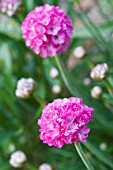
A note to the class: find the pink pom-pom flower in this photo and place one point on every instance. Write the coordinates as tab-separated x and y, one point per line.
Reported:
47	30
63	121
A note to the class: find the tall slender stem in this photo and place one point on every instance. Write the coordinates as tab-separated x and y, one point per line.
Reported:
63	74
83	156
39	100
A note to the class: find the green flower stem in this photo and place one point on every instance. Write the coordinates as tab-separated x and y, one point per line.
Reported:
29	167
63	74
89	63
39	100
108	86
83	156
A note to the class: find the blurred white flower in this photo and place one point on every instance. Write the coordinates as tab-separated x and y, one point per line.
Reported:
25	87
9	6
87	81
11	147
56	89
103	146
54	72
17	159
79	52
45	166
96	92
99	72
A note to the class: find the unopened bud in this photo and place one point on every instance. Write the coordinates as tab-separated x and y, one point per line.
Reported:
45	166
11	147
79	52
25	87
17	159
103	146
99	72
87	81
96	92
54	72
56	89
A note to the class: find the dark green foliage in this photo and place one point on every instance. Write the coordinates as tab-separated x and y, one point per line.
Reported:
18	118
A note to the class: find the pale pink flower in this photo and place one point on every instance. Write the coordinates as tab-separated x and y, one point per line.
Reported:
47	30
99	72
25	87
9	6
17	159
45	166
63	121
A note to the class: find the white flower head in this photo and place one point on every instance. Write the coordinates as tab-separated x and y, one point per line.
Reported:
25	87
54	72
96	92
87	81
103	146
99	72
45	166
17	159
56	89
9	6
79	52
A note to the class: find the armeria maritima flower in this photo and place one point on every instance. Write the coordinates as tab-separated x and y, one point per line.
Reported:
9	6
17	159
47	30
63	121
99	72
96	92
25	87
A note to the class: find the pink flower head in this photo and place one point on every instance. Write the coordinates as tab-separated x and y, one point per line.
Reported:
63	121
47	30
9	6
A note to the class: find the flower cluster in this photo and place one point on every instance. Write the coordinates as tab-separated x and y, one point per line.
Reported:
63	121
47	30
9	6
25	87
99	72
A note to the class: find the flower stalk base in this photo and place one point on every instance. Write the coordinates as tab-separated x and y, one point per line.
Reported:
83	156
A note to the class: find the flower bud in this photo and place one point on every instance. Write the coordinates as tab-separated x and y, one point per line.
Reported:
87	81
79	52
103	146
56	89
96	92
25	87
17	159
11	147
45	166
54	72
99	72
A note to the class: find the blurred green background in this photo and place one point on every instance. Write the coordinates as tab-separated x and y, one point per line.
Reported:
93	29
